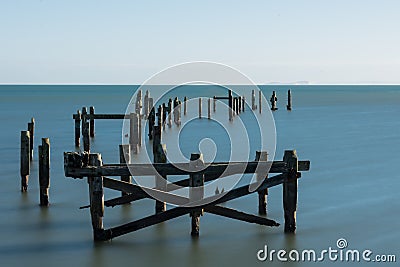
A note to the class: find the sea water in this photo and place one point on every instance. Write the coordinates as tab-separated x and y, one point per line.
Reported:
351	135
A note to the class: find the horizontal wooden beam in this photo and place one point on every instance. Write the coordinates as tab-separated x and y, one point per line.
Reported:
215	170
142	192
238	215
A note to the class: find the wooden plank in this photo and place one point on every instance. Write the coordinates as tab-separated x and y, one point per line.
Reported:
143	191
221	169
234	214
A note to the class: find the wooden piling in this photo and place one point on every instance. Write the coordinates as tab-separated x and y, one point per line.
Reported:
44	171
151	118
289	99
184	106
290	191
240	101
125	158
146	106
157	137
25	160
134	132
85	136
91	126
31	129
164	115
259	100
96	199
85	131
273	100
263	194
196	190
177	111
200	107
214	105
243	103
78	129
160	156
230	104
209	108
169	109
253	100
138	103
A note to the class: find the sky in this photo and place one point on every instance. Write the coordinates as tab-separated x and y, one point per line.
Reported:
128	41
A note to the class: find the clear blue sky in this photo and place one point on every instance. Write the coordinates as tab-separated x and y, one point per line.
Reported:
125	41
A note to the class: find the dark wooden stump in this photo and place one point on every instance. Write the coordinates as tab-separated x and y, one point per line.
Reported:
134	132
78	129
259	100
91	126
209	108
44	171
273	100
289	105
263	194
31	129
200	107
290	191
25	160
124	158
160	156
96	199
196	190
184	106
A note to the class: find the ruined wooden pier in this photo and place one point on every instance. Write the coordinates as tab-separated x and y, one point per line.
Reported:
91	166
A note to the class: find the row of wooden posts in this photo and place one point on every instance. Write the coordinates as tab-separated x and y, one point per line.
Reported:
26	157
166	113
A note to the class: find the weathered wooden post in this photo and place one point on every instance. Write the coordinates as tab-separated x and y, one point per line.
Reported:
290	191
169	109
184	106
24	160
177	111
200	107
78	129
151	104
214	105
259	100
151	118
85	131
124	158
164	115
146	106
160	156
289	100
196	190
44	171
273	100
262	195
253	100
243	103
91	127
157	135
209	108
138	103
160	114
230	104
31	129
96	199
240	104
134	132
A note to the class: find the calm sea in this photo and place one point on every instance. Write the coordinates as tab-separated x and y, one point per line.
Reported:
351	134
